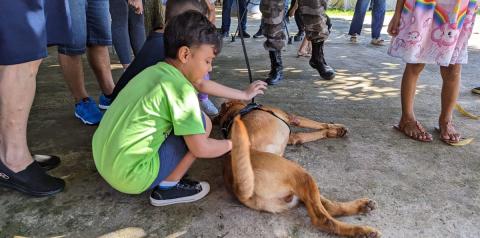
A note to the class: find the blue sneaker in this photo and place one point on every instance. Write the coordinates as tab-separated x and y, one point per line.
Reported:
87	111
104	102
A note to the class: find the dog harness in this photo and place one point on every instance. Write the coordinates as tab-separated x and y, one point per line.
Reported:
227	125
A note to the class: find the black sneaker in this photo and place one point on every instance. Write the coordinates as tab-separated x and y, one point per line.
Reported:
32	180
225	34
185	191
245	34
259	33
476	90
299	36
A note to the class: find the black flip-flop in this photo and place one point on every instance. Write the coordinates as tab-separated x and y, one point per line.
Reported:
47	162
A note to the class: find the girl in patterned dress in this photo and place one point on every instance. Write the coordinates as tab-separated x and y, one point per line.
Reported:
431	32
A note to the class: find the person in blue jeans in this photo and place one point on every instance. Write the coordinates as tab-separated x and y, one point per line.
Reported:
226	10
128	28
378	15
91	34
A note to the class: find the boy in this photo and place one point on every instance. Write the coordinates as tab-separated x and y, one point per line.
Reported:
153	51
154	130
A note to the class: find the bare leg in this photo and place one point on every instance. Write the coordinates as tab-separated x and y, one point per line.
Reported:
451	82
408	123
99	60
17	90
303	50
181	168
73	74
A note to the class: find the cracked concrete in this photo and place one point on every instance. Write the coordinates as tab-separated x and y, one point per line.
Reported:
422	190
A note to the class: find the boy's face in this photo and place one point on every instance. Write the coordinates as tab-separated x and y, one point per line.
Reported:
197	61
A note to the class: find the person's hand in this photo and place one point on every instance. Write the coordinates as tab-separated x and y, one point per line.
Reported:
137	6
254	89
211	11
394	25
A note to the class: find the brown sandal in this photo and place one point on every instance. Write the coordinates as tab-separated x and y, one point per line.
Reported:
418	128
446	140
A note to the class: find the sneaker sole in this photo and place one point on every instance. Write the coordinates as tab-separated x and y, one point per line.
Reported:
28	192
85	121
193	198
103	107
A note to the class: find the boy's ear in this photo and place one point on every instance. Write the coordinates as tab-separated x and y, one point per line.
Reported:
183	54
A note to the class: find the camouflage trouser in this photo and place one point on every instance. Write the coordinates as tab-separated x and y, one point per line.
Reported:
313	15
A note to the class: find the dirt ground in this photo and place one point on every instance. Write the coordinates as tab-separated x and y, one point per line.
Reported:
422	189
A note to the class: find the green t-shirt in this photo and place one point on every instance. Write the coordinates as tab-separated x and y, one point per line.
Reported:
125	145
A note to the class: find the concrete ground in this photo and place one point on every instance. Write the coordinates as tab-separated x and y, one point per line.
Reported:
422	189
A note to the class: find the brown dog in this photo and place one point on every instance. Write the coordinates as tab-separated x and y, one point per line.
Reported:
263	180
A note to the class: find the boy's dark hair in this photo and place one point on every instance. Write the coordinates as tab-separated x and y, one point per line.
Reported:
176	7
190	28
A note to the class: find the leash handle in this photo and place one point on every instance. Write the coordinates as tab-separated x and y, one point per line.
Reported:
240	31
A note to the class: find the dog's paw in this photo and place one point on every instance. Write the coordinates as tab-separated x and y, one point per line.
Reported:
367	205
368	232
342	131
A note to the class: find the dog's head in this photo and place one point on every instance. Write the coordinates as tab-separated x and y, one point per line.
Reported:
228	110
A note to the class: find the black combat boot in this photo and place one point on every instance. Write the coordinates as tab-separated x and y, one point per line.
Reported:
276	73
318	62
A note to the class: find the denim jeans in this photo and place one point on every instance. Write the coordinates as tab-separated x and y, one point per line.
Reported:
378	15
90	26
128	30
171	153
227	8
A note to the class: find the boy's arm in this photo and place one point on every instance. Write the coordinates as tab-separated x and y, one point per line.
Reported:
203	147
215	89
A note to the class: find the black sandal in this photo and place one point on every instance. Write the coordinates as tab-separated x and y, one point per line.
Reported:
32	180
47	162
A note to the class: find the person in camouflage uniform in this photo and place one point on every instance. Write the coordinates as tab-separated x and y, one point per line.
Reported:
317	31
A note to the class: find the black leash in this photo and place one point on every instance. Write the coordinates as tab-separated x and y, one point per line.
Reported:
243	44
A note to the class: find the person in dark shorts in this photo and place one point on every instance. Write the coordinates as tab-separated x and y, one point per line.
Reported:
26	28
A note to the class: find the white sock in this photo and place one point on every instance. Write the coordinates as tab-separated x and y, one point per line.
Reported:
167	184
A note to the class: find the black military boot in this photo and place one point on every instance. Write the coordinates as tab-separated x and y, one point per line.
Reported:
318	62
276	73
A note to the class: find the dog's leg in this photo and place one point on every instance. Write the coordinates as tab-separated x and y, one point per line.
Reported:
243	177
307	190
303	137
294	120
359	206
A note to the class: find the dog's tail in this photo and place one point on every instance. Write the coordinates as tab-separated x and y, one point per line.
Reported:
243	177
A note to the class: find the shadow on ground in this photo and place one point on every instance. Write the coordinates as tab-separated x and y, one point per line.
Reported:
423	189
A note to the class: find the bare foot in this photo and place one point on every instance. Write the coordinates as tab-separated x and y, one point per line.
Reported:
414	130
448	133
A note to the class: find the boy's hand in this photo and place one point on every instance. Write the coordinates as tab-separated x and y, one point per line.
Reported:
394	25
254	89
137	5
